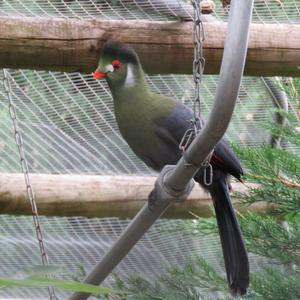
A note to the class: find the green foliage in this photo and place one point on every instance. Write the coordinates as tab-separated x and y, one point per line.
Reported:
264	235
43	276
37	271
290	131
58	283
197	280
277	172
273	283
267	237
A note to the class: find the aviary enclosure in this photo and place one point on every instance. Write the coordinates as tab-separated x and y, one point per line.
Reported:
87	182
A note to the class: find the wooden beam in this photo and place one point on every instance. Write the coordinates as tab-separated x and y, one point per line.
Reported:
164	47
97	196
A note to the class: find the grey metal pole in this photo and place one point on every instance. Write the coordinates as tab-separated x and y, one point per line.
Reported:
280	100
174	182
159	201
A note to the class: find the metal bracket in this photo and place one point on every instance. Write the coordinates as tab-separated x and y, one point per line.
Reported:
164	193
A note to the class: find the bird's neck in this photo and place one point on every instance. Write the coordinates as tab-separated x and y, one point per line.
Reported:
132	87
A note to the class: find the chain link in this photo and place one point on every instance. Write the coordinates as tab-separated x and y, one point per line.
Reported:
25	170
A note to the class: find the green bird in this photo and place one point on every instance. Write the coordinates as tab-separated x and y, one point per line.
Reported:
153	126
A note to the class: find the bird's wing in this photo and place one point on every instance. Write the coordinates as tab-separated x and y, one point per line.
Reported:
172	129
225	159
175	124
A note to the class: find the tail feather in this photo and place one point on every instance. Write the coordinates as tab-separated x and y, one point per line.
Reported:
234	250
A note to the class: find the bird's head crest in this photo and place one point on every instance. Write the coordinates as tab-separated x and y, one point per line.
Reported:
114	59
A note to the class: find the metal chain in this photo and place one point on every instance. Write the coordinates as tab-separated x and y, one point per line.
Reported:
25	170
198	68
199	60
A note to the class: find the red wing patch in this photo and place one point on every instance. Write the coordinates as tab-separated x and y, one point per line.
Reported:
215	158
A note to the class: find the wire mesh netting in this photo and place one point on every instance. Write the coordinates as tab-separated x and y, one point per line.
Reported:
78	243
68	127
68	122
265	11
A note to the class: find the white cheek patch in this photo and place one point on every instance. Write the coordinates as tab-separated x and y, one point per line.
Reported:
130	78
109	68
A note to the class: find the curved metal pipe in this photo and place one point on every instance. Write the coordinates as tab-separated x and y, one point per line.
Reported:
280	100
233	63
175	182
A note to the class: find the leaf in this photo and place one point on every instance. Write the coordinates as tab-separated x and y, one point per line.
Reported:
58	283
38	270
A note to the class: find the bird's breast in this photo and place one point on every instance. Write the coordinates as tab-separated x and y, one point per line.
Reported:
139	129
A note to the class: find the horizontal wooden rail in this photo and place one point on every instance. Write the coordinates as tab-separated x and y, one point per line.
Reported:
164	46
102	196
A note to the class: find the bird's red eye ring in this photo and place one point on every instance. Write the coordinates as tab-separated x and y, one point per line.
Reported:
116	64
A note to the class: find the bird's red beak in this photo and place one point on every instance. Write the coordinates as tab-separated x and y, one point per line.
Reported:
98	75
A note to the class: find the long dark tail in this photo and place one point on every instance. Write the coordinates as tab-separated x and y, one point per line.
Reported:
234	250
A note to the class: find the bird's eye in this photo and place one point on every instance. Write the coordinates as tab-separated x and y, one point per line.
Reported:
116	64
